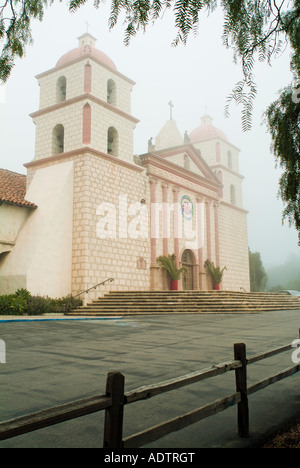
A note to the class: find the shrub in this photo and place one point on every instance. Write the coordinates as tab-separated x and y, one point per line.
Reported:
67	303
22	303
24	293
38	305
11	304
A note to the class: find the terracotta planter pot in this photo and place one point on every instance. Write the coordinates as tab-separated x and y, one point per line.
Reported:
174	285
216	287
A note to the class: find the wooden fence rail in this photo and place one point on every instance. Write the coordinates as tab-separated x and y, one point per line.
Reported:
115	398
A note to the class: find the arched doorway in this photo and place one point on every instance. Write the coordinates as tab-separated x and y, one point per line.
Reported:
187	277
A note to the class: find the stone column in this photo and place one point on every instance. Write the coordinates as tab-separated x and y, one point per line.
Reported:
165	219
201	236
208	228
154	269
217	241
176	221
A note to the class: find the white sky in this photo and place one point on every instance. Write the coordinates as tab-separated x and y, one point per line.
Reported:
197	78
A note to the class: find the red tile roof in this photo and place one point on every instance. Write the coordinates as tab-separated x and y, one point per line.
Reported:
13	189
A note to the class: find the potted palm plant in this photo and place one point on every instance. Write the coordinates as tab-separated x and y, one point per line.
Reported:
169	264
216	274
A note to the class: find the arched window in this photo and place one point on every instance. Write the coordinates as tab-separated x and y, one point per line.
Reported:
229	157
187	257
111	92
61	89
232	195
58	139
112	141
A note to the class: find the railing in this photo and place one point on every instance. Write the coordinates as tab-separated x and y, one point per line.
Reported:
94	287
114	400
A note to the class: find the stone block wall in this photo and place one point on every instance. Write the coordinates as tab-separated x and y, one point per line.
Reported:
234	248
110	228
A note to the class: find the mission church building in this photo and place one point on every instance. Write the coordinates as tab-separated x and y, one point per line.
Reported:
89	209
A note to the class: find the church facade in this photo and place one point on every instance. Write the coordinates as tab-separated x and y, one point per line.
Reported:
93	210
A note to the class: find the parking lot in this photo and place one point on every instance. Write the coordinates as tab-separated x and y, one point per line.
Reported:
51	362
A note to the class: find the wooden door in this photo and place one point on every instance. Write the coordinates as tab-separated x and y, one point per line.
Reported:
187	279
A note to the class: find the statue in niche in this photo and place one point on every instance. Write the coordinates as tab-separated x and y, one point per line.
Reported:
151	147
187	140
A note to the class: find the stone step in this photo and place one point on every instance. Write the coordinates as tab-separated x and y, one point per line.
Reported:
141	310
190	304
192	300
195	293
185	302
164	312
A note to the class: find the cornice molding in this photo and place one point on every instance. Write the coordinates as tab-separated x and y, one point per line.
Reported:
79	152
84	57
225	168
174	169
83	97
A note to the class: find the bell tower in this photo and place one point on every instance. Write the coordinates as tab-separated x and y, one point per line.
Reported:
84	102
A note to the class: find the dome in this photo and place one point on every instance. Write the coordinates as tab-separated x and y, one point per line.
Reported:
86	47
206	131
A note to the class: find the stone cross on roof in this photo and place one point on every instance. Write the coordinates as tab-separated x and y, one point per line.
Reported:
171	108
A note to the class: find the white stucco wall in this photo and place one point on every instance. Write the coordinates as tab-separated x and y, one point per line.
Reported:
12	218
41	260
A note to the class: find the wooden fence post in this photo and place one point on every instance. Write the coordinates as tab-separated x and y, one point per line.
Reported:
113	425
241	386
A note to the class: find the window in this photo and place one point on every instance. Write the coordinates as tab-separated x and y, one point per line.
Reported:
187	257
112	141
232	195
61	89
111	92
58	139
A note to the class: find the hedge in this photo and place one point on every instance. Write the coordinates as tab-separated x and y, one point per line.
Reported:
23	303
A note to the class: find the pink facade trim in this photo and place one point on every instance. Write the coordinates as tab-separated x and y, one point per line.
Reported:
200	231
226	168
176	224
84	97
79	59
87	78
153	220
159	160
180	172
217	240
220	177
80	152
86	124
165	219
208	228
182	186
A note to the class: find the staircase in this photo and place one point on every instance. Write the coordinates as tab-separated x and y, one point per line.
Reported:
185	302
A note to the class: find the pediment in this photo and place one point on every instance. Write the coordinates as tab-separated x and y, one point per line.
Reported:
186	159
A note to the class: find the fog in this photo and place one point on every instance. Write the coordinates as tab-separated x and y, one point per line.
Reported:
197	77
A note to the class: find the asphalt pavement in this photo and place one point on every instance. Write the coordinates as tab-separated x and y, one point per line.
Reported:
54	360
